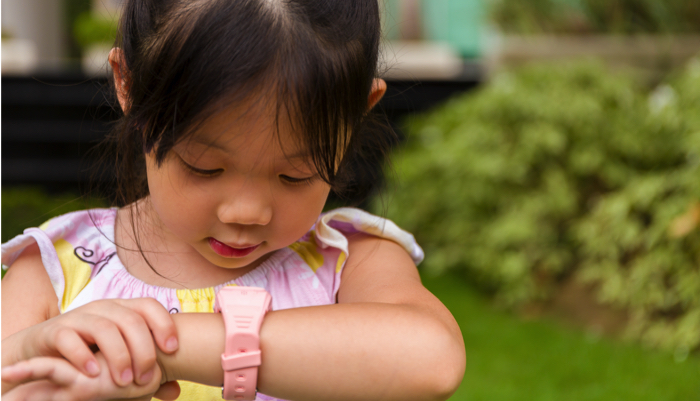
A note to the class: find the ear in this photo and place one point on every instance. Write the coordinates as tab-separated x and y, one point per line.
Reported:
121	77
376	93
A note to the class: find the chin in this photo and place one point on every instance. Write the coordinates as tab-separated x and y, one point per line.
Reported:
230	263
235	263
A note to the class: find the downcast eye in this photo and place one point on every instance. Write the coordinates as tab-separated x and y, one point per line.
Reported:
293	180
198	171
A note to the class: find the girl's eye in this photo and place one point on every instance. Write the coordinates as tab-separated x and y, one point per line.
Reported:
296	181
200	172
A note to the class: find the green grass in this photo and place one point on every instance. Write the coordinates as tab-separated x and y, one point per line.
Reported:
509	359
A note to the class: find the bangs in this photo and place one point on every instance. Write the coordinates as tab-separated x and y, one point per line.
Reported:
313	62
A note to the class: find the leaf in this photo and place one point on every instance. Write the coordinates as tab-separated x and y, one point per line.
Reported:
685	223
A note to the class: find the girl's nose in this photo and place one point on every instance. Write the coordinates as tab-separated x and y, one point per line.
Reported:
245	208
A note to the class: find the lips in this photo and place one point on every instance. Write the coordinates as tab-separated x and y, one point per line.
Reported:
230	252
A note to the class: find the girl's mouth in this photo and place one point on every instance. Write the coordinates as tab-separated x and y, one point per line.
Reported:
228	251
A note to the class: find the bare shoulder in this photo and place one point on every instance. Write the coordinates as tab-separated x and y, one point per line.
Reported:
381	271
378	270
28	296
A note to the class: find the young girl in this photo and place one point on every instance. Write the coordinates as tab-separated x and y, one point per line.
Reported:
240	116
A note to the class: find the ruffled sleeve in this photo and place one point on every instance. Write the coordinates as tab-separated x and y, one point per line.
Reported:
334	226
69	245
14	247
324	251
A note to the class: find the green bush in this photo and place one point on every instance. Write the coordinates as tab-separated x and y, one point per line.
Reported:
24	207
597	16
89	29
556	170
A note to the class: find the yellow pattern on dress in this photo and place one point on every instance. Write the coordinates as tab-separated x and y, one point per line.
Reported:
199	300
308	252
341	261
197	392
76	273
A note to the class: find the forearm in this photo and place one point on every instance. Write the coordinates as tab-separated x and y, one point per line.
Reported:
340	352
12	349
12	353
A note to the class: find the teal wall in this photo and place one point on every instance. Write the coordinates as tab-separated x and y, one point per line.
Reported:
458	22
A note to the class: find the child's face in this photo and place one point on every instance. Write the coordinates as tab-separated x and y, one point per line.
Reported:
235	191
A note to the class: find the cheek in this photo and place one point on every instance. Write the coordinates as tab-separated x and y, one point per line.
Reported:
302	212
172	200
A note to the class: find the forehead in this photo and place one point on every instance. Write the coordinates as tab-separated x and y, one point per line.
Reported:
249	126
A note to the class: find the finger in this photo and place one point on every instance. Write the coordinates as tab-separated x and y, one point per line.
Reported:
91	329
45	390
34	391
109	339
169	391
61	339
140	343
15	374
55	370
159	321
71	346
123	337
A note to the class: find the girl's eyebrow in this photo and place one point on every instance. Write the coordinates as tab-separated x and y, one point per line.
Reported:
211	144
302	154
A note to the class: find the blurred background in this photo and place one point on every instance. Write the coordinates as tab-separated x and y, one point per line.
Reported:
548	162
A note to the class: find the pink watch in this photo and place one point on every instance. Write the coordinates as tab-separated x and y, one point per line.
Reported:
243	309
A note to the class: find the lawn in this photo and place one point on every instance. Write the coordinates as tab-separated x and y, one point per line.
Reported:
509	359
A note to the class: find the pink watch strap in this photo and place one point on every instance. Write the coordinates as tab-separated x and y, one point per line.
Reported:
243	309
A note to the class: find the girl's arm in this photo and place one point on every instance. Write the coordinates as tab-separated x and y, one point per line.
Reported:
388	338
32	326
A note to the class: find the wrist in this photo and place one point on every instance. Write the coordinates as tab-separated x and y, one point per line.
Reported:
198	358
165	375
168	363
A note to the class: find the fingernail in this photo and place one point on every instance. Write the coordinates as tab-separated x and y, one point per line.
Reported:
171	344
127	376
146	377
92	368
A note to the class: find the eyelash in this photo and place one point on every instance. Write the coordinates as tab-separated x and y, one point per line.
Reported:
211	173
199	172
297	181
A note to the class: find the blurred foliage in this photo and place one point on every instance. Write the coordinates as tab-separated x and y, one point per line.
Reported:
596	16
90	29
72	9
24	207
554	170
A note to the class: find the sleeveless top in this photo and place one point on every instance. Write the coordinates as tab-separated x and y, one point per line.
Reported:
80	257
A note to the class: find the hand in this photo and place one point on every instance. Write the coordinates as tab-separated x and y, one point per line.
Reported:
49	379
123	330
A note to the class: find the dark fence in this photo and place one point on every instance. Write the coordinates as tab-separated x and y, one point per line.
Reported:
50	123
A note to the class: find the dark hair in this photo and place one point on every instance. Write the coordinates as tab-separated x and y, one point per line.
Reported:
185	59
